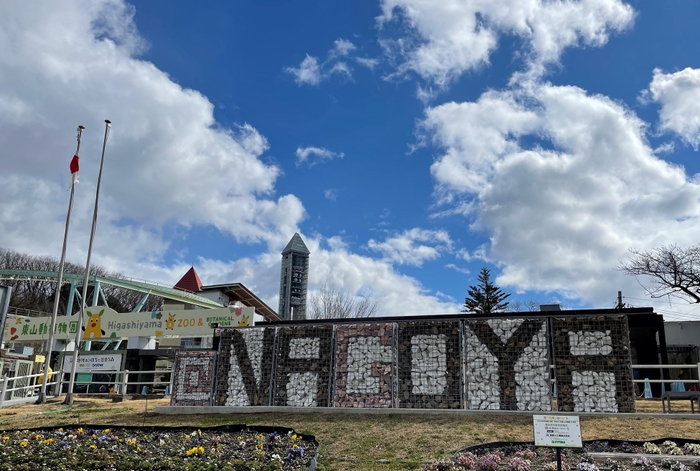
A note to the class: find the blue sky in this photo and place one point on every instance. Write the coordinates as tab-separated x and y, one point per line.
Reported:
411	142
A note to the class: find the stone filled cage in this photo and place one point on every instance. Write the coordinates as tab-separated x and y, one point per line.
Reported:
462	362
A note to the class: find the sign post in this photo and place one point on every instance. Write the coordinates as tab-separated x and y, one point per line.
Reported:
557	431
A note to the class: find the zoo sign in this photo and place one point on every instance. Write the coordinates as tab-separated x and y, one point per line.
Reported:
105	323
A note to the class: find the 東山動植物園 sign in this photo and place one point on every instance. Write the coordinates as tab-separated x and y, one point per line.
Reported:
102	322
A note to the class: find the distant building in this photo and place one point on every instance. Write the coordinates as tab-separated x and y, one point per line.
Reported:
294	279
227	294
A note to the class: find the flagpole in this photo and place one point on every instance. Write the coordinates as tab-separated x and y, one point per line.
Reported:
57	297
78	334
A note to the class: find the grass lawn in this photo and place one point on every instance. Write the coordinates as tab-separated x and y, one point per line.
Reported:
358	442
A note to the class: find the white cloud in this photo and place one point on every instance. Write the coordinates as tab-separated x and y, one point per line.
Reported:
371	64
396	294
665	148
313	72
308	72
342	47
313	155
454	267
341	68
331	194
450	37
168	162
562	211
679	96
402	248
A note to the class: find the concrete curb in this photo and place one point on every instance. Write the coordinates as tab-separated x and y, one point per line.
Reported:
194	410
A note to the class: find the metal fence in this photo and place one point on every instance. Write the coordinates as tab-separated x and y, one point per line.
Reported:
17	387
661	369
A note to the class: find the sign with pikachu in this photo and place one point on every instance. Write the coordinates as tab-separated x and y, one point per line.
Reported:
104	323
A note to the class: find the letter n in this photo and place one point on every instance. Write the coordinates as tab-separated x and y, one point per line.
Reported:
245	366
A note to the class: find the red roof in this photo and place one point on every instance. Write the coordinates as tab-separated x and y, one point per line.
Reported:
190	282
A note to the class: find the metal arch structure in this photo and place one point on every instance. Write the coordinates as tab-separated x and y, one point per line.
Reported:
97	281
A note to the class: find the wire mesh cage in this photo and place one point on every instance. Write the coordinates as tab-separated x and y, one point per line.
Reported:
507	364
244	370
364	365
303	366
193	378
592	364
429	359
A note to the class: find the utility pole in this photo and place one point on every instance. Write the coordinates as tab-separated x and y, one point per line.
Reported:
619	304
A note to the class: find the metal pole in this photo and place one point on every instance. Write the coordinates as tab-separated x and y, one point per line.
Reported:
57	297
74	367
558	459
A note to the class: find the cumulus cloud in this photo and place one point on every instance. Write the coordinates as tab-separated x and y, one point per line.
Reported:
167	162
679	96
563	209
169	165
403	249
313	155
447	38
332	262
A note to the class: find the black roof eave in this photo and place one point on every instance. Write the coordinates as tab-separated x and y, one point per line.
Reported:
445	317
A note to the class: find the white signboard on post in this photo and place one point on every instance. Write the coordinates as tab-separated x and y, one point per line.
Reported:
559	431
93	363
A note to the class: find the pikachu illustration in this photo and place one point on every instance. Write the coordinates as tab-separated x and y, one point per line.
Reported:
93	329
170	323
244	321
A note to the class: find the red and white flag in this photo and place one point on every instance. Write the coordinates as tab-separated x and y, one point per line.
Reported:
74	167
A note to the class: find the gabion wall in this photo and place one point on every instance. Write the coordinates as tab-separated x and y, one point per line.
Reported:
194	378
479	364
507	365
244	371
364	365
429	365
303	366
592	361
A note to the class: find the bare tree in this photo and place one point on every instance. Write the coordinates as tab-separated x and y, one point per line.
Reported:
331	302
671	270
524	306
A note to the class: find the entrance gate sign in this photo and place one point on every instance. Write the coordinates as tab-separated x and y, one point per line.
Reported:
104	323
559	431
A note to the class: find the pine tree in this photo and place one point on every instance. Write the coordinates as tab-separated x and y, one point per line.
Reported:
485	298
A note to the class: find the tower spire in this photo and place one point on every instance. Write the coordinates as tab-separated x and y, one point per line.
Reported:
294	277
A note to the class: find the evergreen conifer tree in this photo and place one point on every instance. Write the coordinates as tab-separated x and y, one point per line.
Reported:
485	298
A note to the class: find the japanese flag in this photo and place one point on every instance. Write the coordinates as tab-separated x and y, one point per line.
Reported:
74	167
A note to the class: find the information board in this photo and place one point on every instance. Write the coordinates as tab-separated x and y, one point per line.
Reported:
91	363
559	431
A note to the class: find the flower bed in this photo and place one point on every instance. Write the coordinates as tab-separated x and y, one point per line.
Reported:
598	455
229	448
